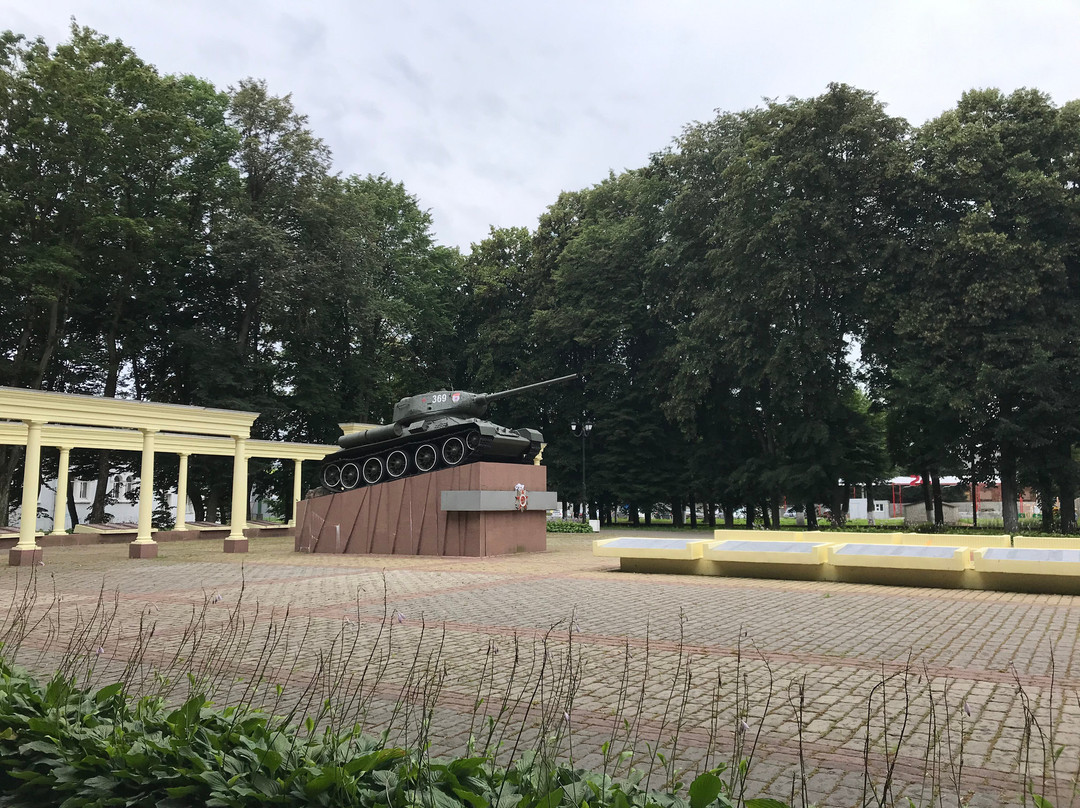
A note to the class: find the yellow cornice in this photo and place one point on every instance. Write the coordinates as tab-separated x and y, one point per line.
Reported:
18	404
82	437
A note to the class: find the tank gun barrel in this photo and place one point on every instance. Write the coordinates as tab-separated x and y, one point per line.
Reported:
488	397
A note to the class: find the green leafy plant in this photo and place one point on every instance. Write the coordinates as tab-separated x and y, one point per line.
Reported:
62	744
566	526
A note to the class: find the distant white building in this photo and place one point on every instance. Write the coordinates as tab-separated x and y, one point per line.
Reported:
123	507
124	502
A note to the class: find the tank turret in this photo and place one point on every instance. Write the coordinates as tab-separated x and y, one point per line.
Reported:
430	431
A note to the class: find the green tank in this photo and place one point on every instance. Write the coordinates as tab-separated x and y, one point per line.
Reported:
431	431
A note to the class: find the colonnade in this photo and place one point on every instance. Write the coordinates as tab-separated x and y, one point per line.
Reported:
34	418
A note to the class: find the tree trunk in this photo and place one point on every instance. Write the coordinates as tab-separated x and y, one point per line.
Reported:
766	522
870	505
10	460
97	510
710	519
811	516
693	513
1067	495
974	504
213	505
729	516
632	515
775	504
648	515
49	347
939	508
1008	489
101	492
751	513
928	502
73	511
838	505
676	512
1046	501
198	505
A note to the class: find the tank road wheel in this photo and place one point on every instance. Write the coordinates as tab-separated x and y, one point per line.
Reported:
425	457
396	463
372	470
331	477
453	450
472	440
350	476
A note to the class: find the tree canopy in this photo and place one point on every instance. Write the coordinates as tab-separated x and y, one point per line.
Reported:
787	300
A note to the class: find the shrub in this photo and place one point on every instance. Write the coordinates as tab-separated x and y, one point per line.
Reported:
65	745
566	526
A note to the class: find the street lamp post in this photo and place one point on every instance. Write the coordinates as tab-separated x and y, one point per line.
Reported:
581	427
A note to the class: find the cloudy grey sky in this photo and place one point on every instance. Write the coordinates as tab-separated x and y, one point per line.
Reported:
487	110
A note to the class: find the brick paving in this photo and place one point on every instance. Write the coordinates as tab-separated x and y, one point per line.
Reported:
834	690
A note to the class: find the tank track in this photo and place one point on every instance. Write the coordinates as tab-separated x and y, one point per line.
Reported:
420	454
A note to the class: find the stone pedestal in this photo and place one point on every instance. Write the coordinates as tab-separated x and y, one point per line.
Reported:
407	517
236	545
24	556
139	549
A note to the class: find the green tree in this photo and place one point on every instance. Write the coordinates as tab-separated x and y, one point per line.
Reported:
599	319
96	152
989	308
791	210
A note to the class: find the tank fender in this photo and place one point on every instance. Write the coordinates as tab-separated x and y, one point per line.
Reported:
373	435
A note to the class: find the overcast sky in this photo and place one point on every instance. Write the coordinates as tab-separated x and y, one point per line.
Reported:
487	110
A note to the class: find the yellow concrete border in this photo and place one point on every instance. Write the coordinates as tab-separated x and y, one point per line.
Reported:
680	549
955	540
1018	566
867	538
734	534
667	566
1047	542
728	534
959	559
817	555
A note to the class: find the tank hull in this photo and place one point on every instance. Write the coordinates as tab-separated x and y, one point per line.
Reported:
423	447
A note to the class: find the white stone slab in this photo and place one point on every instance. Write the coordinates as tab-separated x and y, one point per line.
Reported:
733	546
1032	554
902	550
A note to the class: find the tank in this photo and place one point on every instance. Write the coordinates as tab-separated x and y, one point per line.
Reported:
431	431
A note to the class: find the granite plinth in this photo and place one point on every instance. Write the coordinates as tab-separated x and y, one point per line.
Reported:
405	517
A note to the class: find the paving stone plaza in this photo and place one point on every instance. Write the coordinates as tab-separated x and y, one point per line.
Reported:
838	692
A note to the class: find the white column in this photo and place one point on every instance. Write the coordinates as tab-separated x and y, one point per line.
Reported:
239	489
60	509
298	467
146	489
31	476
181	494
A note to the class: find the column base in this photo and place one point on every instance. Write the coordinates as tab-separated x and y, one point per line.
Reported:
147	549
25	556
236	545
